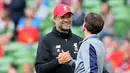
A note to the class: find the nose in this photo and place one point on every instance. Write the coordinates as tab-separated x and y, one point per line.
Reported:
66	19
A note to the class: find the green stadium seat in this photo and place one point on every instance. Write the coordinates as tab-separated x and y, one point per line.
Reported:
35	46
121	13
30	3
91	3
47	30
4	64
121	28
13	47
77	31
115	3
96	9
52	4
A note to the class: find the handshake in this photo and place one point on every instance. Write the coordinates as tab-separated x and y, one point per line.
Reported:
64	57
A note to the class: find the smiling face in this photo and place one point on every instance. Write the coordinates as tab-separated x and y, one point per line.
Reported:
63	23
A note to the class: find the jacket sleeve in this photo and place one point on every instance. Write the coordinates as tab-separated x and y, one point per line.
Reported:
44	63
89	58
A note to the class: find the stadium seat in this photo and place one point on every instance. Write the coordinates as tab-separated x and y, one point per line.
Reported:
4	64
30	3
121	28
115	3
91	3
77	31
96	9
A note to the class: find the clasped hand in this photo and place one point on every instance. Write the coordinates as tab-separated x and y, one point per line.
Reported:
64	57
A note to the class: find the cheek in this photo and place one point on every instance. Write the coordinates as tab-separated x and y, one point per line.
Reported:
70	21
58	22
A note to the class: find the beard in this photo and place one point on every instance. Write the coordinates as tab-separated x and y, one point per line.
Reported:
64	28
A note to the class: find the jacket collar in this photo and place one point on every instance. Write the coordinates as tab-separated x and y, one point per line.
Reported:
61	34
90	36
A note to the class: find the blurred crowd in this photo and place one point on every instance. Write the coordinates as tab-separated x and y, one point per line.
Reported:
22	22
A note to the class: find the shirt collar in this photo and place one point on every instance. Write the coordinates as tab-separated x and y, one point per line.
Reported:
90	36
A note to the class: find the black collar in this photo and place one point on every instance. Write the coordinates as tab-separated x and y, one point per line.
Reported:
61	34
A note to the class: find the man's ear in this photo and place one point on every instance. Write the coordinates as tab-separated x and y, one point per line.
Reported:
54	19
84	27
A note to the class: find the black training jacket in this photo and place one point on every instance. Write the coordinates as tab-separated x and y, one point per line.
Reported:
50	46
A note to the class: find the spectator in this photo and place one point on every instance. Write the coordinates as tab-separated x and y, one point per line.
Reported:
127	2
107	41
28	68
1	5
79	14
67	2
6	27
29	20
28	28
107	44
1	51
108	18
117	56
42	9
126	44
13	68
125	67
17	11
28	35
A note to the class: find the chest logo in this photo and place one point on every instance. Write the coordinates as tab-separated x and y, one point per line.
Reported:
58	48
65	8
75	47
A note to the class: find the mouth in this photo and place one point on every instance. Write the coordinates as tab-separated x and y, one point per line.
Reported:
67	24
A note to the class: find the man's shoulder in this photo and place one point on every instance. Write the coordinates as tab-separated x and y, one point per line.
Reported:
76	36
47	36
